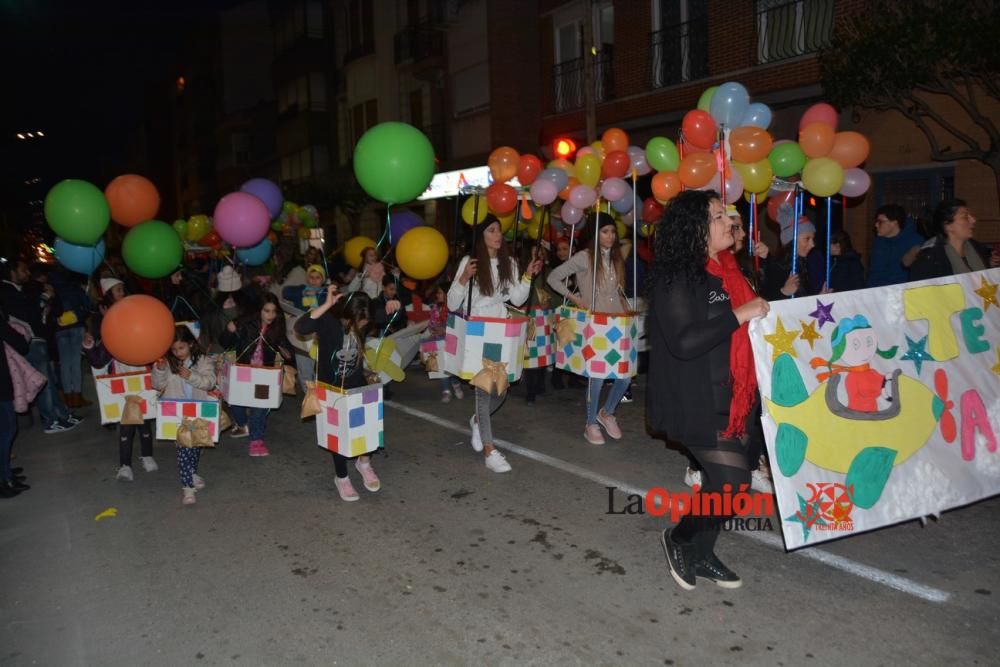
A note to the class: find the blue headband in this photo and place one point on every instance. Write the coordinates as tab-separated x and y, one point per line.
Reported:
848	325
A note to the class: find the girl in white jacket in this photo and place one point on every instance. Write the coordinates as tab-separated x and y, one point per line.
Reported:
186	374
495	282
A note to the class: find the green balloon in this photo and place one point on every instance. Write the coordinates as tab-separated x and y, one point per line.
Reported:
786	159
705	101
77	211
662	154
181	227
394	162
152	249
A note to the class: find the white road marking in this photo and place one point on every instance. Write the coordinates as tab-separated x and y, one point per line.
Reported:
841	563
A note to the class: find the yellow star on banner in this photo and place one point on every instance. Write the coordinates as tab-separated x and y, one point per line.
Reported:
782	341
988	292
996	369
809	333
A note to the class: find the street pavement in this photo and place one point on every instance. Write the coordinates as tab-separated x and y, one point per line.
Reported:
451	564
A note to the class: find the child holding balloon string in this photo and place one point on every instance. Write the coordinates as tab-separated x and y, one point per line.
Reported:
185	374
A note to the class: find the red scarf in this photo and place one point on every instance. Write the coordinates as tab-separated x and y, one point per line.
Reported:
741	367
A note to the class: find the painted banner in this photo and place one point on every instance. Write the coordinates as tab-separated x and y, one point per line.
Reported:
539	345
170	412
596	345
468	341
251	386
881	405
351	420
112	390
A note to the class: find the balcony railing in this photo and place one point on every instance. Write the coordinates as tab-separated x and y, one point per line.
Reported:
679	53
568	78
786	29
418	42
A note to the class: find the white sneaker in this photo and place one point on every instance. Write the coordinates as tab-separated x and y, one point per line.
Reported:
446	397
477	441
692	477
497	462
760	481
125	473
457	388
149	464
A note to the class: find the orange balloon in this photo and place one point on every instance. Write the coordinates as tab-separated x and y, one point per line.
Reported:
850	149
750	144
697	169
132	199
614	139
816	139
570	184
503	164
138	330
666	185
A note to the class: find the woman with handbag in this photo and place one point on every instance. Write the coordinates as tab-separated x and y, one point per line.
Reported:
185	374
260	339
340	363
702	387
486	281
602	294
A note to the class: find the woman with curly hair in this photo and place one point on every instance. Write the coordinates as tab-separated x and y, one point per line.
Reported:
702	386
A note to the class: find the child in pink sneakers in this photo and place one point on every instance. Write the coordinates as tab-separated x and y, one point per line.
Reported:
437	324
340	362
186	374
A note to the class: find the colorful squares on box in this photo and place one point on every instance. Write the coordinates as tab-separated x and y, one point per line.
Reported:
251	386
112	391
171	412
353	420
604	348
469	341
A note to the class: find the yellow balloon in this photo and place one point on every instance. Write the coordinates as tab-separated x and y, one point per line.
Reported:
198	226
422	253
588	170
469	210
622	229
598	147
565	165
761	196
506	222
646	229
756	175
354	247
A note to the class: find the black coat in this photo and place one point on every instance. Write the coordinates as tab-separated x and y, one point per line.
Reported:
242	342
690	325
846	272
335	366
932	261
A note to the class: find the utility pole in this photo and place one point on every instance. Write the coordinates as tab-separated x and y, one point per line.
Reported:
589	56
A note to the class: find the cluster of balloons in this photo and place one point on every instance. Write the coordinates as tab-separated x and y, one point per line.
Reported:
834	158
295	219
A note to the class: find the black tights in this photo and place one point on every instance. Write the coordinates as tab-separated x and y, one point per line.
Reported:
534	382
126	434
724	462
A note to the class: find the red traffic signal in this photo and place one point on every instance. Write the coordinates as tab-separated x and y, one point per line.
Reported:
563	147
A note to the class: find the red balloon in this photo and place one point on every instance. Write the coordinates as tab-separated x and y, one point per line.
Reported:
652	211
776	200
528	169
501	198
699	128
211	240
819	113
616	164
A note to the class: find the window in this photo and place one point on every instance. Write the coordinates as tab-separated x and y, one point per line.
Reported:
363	116
294	95
360	29
569	42
291	26
568	74
471	89
789	28
917	190
679	46
314	19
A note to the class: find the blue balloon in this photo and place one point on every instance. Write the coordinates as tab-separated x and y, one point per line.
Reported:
401	222
624	205
758	114
266	191
80	258
255	255
557	176
729	104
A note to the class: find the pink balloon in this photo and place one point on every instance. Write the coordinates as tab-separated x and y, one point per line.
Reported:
241	219
613	189
628	219
544	191
822	113
734	184
639	163
582	196
570	214
856	182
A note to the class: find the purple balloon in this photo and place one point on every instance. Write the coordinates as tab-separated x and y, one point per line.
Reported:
241	219
401	222
570	214
856	182
637	156
543	191
613	189
557	176
628	218
624	203
582	196
266	191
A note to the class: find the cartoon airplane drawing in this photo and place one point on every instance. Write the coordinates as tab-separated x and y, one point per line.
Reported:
864	446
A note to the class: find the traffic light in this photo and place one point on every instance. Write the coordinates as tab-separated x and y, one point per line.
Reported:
564	147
